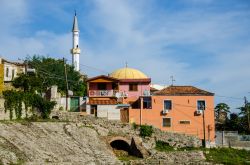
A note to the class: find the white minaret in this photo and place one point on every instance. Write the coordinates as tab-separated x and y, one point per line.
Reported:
75	51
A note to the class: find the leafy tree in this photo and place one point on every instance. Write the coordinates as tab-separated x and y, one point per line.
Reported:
221	111
221	107
29	83
51	71
245	112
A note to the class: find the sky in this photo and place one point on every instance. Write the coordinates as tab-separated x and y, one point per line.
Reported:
204	43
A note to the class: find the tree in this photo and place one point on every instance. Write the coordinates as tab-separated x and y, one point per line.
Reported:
50	72
245	112
219	109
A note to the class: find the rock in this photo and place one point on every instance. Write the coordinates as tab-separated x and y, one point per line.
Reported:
52	143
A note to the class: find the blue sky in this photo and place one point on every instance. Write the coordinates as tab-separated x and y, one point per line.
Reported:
205	43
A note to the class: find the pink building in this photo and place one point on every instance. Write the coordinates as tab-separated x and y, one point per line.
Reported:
110	96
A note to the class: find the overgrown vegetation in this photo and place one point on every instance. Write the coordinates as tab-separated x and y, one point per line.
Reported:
33	102
146	130
228	156
30	88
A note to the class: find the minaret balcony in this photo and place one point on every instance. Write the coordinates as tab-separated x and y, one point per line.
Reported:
75	51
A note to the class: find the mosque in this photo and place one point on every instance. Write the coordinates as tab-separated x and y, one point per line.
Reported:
126	94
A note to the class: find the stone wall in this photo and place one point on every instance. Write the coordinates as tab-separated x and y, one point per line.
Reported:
115	128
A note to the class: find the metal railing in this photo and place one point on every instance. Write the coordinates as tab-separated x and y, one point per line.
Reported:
102	93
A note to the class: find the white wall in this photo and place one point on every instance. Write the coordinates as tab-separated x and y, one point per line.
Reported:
11	67
108	111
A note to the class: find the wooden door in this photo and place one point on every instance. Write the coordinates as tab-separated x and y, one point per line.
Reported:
124	115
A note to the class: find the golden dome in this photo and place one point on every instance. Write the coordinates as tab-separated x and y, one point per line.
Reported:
128	73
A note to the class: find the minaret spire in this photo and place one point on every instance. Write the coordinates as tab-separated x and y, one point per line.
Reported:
75	51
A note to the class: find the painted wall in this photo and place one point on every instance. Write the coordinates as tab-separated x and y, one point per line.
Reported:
183	108
124	87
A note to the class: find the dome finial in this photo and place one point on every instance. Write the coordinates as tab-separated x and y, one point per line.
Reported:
126	64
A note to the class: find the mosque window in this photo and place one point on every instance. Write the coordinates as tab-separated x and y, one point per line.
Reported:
133	87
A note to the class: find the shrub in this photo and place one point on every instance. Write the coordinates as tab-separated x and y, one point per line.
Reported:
146	130
163	146
134	125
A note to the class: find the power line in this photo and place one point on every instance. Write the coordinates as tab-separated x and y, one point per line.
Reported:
236	98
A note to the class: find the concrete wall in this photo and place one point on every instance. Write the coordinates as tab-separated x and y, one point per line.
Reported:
108	111
231	139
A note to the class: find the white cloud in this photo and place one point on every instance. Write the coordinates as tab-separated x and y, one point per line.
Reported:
135	32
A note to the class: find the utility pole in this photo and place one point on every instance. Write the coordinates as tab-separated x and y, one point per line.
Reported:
66	81
204	127
247	111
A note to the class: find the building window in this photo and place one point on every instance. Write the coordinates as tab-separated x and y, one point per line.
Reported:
147	103
114	86
13	73
168	104
201	105
101	86
7	72
133	87
166	122
184	122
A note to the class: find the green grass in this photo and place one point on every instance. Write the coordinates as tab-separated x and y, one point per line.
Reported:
228	156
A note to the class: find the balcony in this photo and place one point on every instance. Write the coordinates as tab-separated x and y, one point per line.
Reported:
102	93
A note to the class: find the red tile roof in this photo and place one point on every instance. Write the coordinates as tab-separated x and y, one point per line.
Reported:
182	90
102	102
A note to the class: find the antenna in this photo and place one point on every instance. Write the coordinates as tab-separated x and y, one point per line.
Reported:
75	12
172	80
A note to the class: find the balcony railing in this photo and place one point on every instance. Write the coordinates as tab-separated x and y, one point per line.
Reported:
102	93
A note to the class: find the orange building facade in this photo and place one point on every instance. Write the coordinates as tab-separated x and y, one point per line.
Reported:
178	109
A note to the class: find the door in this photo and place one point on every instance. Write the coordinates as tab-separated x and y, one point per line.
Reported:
93	110
74	104
124	115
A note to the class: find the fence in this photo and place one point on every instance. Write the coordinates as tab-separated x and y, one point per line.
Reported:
232	139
